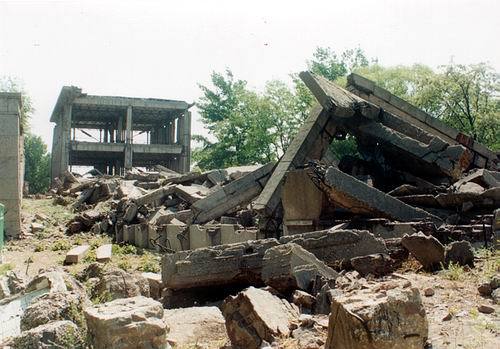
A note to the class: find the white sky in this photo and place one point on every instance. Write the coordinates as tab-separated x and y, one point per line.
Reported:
163	49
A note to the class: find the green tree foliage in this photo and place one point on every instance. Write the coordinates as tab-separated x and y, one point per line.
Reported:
10	84
37	164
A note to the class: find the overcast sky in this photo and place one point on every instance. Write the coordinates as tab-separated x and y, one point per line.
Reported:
163	49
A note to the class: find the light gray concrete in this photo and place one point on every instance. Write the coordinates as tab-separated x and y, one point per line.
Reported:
11	168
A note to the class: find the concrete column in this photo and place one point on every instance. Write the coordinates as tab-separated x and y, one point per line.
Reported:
65	138
11	172
128	139
119	131
185	141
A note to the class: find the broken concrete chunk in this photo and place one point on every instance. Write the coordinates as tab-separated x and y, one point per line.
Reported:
357	197
155	284
115	283
215	266
254	316
426	249
195	325
135	322
76	254
288	267
393	318
56	334
103	253
335	247
379	264
459	252
232	195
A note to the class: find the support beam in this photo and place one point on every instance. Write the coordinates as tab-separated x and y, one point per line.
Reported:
128	139
65	138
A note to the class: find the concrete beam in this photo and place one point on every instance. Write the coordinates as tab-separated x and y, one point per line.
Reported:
128	139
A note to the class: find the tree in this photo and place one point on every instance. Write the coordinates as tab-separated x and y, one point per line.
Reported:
37	160
10	84
37	164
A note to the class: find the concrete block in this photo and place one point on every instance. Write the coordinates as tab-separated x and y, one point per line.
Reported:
76	254
103	253
230	235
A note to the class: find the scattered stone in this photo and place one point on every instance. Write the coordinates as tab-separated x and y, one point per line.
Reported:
135	322
194	325
426	249
459	252
289	267
448	317
365	319
116	283
254	316
429	292
36	227
103	253
303	299
155	284
379	264
485	289
57	334
76	254
496	296
54	306
486	309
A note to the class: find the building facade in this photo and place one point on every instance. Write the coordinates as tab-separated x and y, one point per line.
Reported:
109	125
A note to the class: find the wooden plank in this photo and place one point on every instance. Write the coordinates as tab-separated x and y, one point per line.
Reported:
103	253
76	254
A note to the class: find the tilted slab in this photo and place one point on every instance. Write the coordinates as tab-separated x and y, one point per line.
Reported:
357	197
399	139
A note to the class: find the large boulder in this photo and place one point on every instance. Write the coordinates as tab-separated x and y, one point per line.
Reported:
426	249
52	307
389	315
199	325
379	264
255	315
289	267
459	252
56	334
127	323
116	283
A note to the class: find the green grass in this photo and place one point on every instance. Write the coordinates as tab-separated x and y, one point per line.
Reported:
454	272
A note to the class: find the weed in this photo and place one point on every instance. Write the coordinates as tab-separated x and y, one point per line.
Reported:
102	298
124	264
40	247
454	272
149	263
61	245
90	257
119	250
4	268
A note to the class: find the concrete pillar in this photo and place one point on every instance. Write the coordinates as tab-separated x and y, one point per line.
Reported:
128	139
65	138
11	172
185	141
119	131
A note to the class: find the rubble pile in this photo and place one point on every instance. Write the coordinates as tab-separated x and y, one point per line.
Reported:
279	248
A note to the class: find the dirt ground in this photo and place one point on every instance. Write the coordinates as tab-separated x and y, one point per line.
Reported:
454	319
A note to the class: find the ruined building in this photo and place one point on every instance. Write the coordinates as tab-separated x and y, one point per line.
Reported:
110	124
11	161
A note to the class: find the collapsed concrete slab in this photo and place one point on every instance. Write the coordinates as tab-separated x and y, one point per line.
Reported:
289	267
397	139
232	195
231	264
335	247
311	142
390	317
255	315
368	90
357	197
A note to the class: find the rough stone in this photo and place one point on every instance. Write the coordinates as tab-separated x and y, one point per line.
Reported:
426	249
486	309
116	283
57	334
390	317
495	295
459	252
379	264
155	284
194	325
127	323
335	247
54	306
254	316
288	267
303	299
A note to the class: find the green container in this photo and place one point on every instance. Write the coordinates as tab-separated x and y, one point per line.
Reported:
2	207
